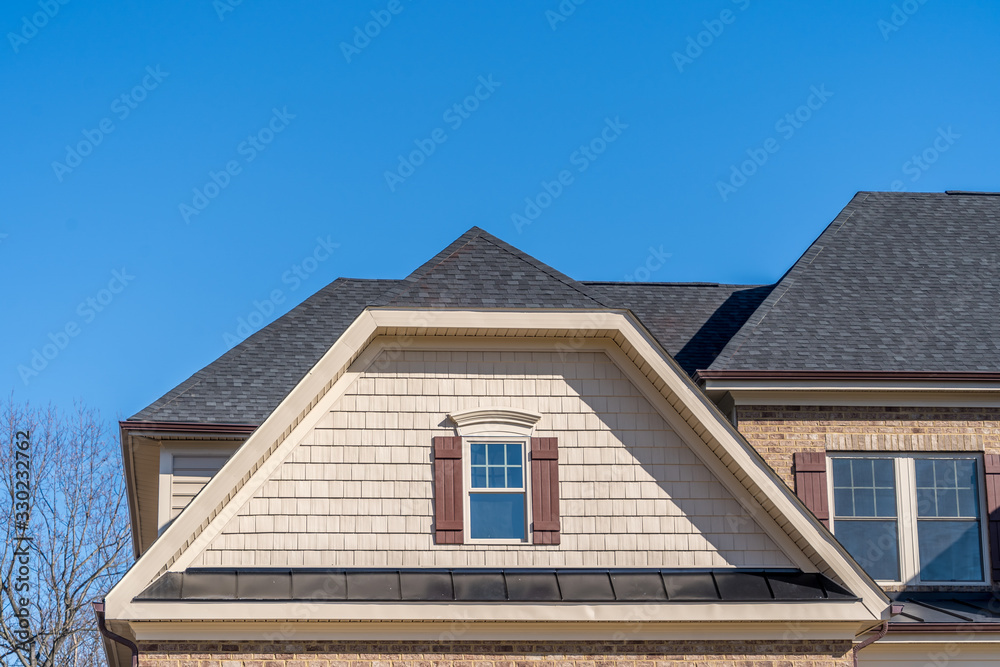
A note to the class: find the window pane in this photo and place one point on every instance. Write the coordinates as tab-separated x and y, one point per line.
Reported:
947	502
479	477
495	455
864	502
513	455
514	478
478	454
843	502
496	478
885	502
863	470
496	515
874	544
950	551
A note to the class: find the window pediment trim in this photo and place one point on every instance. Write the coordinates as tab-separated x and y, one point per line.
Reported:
495	420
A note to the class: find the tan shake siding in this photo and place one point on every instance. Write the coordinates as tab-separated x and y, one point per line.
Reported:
710	653
777	432
358	491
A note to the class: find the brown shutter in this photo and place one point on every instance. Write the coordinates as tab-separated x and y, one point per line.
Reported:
545	490
448	492
992	473
810	483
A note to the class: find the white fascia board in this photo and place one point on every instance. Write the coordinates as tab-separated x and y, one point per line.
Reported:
877	397
486	631
847	611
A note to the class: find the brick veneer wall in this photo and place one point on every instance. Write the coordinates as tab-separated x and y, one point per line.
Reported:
499	654
777	432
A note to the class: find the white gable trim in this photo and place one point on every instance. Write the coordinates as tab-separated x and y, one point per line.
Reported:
735	461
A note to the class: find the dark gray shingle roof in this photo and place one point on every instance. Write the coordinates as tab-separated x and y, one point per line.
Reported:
898	282
479	270
692	321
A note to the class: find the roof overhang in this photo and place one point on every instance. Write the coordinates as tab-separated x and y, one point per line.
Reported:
720	446
138	435
896	388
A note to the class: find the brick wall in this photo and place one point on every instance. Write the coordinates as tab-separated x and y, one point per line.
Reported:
503	654
779	431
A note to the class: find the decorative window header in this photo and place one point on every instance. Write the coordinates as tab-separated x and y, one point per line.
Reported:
494	421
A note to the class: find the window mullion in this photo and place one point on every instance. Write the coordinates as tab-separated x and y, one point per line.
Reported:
907	517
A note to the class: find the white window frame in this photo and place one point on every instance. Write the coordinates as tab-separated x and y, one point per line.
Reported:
468	490
906	511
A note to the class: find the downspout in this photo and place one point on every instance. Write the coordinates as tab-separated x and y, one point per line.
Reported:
118	639
882	629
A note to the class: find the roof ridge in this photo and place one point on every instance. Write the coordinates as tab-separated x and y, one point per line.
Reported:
414	276
667	283
542	266
787	281
428	267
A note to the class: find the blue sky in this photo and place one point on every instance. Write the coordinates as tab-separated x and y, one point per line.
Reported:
167	165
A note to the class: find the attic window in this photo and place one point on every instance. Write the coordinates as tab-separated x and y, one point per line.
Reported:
497	503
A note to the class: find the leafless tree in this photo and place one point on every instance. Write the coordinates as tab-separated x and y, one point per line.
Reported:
73	511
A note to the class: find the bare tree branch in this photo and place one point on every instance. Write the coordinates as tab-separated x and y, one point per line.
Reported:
78	526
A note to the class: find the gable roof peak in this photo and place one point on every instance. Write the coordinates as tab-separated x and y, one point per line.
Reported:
479	270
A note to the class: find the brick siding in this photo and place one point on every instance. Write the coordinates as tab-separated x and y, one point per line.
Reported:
777	432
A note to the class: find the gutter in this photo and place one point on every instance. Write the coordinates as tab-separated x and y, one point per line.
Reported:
923	627
187	427
972	376
882	629
118	639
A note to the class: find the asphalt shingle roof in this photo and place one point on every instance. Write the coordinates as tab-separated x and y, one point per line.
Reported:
479	270
898	282
692	321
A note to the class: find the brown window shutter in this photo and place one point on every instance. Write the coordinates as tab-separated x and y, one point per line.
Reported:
545	490
991	468
810	483
449	500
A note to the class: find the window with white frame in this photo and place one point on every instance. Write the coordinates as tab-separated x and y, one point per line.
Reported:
911	518
497	491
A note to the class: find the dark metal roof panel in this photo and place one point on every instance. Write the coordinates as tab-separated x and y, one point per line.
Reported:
493	585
